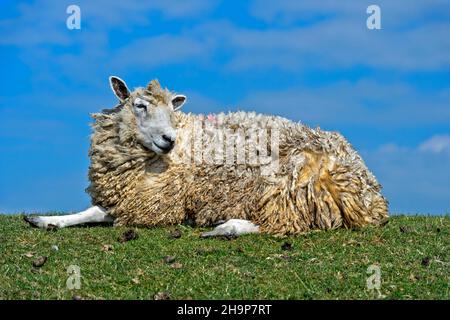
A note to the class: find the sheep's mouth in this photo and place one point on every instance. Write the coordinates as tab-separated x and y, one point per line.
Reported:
162	149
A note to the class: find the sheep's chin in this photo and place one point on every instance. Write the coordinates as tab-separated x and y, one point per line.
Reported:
154	147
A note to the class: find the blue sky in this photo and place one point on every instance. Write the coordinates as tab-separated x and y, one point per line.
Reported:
387	91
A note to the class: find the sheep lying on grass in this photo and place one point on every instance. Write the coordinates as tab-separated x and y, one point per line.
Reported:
154	165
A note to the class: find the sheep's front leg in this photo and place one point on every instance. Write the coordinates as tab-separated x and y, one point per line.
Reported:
93	214
233	227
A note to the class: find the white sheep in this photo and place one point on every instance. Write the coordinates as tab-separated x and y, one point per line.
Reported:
152	164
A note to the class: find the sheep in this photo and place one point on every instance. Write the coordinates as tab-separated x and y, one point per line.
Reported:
152	165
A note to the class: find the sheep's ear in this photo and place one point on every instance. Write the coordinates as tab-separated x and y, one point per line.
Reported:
178	101
119	88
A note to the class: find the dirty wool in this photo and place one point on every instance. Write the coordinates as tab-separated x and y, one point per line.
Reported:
320	181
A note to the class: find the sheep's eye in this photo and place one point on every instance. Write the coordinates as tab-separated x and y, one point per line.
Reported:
141	106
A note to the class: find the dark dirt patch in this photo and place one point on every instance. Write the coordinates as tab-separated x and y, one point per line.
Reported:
163	295
176	234
169	259
426	261
128	236
405	229
40	261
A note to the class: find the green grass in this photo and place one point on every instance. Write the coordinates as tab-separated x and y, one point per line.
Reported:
412	252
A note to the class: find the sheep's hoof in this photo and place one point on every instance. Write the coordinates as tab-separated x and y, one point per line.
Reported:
231	229
218	233
32	221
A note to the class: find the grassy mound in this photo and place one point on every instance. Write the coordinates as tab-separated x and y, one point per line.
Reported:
411	251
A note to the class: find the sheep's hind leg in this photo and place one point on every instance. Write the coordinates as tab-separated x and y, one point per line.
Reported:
91	215
231	228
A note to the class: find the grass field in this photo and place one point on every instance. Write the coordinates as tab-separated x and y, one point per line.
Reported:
411	251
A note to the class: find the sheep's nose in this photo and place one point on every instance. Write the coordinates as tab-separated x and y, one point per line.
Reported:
168	139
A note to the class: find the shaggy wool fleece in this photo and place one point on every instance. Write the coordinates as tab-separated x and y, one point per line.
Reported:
320	181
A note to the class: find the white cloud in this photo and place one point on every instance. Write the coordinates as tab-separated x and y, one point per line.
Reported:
340	41
436	144
413	181
338	44
156	51
395	13
391	148
52	51
44	21
364	102
334	34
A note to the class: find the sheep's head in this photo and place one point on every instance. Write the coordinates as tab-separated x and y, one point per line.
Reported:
153	110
